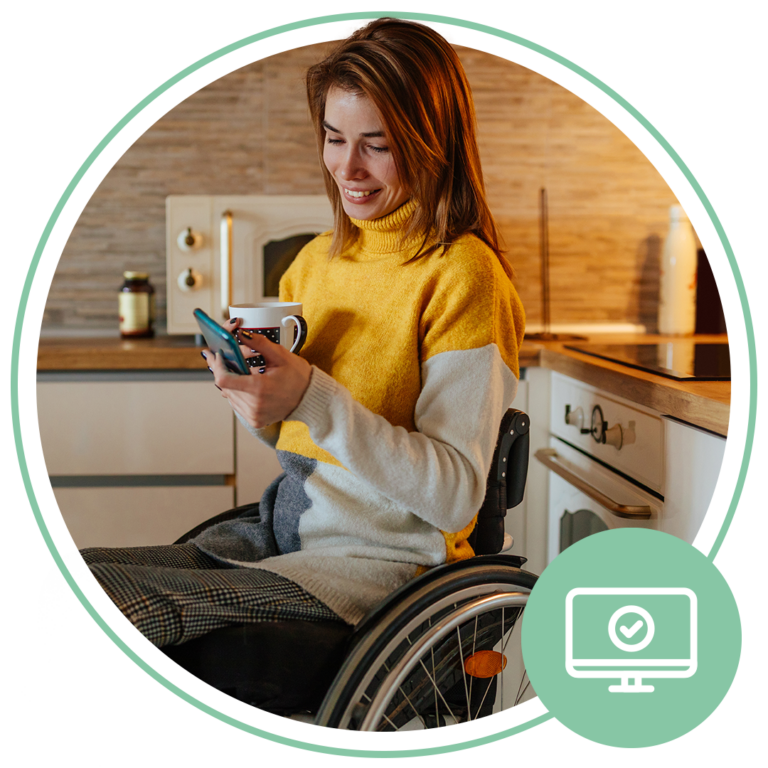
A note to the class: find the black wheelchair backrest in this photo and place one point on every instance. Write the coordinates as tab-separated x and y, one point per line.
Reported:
506	483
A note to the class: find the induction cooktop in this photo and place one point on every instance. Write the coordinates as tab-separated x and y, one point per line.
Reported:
683	360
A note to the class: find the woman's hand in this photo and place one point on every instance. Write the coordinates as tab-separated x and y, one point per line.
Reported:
269	394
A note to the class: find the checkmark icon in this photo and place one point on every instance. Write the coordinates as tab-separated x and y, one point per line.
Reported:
628	633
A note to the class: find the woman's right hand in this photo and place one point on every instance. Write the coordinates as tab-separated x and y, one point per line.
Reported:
270	393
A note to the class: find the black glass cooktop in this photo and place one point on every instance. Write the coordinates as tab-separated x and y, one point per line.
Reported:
681	360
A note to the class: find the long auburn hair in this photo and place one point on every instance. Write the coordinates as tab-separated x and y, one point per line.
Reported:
416	81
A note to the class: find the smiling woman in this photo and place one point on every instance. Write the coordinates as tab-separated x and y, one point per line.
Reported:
356	154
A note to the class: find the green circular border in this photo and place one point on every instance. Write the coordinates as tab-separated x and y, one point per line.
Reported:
111	135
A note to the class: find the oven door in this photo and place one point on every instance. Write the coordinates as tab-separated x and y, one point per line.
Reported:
586	497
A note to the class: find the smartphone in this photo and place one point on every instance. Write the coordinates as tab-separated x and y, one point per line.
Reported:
222	342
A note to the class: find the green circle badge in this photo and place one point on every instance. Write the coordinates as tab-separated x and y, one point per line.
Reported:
631	637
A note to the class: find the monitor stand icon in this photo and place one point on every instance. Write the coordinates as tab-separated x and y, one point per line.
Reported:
623	646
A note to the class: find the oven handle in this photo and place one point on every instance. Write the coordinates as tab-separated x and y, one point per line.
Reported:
549	456
226	263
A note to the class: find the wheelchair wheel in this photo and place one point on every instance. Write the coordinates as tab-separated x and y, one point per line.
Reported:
447	653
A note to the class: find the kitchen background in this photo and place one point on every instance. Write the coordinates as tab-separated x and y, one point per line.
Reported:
249	133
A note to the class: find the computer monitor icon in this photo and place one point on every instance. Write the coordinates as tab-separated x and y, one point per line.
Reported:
630	633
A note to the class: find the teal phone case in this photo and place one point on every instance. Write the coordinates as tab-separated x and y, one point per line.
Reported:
222	342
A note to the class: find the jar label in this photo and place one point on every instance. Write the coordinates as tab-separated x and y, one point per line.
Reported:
134	312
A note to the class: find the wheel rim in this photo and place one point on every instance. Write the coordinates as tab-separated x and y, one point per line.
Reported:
435	672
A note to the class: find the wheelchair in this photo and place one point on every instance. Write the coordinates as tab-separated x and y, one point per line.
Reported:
442	649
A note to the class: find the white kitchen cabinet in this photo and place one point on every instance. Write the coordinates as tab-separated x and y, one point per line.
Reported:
693	458
136	458
537	498
138	516
257	465
134	424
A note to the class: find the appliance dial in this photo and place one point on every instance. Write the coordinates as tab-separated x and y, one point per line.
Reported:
189	240
575	417
599	425
614	436
189	280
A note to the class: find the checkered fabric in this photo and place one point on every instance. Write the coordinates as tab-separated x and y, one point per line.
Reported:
175	593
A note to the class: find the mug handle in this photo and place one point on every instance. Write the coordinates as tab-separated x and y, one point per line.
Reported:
301	327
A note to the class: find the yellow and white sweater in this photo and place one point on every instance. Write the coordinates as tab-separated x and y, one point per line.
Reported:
386	457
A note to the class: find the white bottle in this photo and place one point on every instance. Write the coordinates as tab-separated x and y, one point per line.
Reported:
677	294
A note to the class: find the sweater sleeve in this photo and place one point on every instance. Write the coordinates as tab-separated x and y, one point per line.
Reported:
267	435
438	472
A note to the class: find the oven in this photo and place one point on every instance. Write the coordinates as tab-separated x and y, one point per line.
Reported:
233	249
605	462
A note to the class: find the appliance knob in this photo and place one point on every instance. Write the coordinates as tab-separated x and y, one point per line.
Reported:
598	426
618	436
614	436
575	418
189	280
188	240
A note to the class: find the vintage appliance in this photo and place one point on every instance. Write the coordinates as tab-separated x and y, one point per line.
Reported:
233	249
613	463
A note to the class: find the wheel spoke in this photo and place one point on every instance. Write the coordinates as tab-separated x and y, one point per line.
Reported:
503	648
439	692
463	672
482	701
472	679
520	693
437	708
416	712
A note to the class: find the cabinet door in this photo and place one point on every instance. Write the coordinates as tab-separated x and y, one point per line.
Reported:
257	465
137	517
537	486
136	458
693	461
122	425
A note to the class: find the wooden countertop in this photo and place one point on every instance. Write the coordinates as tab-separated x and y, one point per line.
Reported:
162	353
702	403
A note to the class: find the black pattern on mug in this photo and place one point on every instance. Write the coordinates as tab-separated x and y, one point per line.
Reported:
273	334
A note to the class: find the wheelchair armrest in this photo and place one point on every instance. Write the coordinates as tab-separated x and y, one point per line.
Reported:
515	446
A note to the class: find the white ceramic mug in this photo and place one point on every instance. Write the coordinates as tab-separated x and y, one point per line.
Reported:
279	321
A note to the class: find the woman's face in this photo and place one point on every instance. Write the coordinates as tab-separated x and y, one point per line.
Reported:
357	155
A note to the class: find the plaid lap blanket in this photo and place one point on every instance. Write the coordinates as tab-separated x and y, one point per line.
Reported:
175	593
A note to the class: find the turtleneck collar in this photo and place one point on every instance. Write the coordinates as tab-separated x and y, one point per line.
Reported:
384	235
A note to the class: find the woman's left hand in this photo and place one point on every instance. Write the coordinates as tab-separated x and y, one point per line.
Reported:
264	398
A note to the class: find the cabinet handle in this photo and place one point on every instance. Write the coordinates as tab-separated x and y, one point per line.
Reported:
549	456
